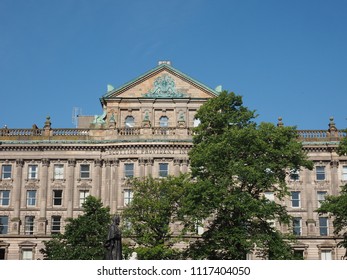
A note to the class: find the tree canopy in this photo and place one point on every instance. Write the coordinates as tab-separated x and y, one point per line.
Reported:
235	161
84	236
152	212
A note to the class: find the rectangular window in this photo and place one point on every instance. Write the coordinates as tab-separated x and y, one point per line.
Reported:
294	175
57	197
128	170
323	226
3	224
297	226
6	172
295	198
163	169
344	173
128	196
83	195
29	225
2	254
321	197
4	198
320	173
326	255
31	198
56	220
27	254
58	172
299	254
85	171
32	172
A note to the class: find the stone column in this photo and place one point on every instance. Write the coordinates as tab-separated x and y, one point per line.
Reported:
17	187
42	222
96	191
70	187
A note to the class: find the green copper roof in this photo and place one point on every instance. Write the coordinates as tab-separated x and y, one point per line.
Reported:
157	69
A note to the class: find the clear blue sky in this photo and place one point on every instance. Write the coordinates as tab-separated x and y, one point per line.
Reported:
285	57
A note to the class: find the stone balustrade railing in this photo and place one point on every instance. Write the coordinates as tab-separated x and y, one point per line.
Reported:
83	134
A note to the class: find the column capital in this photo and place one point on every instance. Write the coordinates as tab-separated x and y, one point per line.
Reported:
45	162
98	162
71	162
19	162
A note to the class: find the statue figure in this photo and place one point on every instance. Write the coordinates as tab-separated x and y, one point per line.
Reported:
113	243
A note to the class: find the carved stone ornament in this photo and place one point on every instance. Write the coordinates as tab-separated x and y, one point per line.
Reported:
164	87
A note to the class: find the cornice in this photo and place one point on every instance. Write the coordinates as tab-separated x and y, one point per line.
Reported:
89	145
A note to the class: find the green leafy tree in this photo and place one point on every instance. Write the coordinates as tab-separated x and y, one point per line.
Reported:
151	213
235	161
84	236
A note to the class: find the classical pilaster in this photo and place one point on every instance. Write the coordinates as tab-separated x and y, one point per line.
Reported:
185	163
149	164
141	167
114	190
177	163
70	186
96	191
17	187
334	164
107	194
43	197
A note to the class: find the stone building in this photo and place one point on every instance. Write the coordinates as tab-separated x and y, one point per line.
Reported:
145	129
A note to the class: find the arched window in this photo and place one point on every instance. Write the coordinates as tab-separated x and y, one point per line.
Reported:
164	121
129	121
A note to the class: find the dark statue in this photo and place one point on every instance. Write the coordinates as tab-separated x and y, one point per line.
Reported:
113	243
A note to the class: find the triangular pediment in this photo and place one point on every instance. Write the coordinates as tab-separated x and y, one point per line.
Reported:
164	81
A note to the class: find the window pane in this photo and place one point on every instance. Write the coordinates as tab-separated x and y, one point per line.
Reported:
129	121
3	224
344	173
295	199
56	224
320	173
163	121
6	172
163	169
29	225
31	198
32	172
128	195
129	170
59	171
297	226
57	197
85	171
326	255
323	226
4	198
321	197
83	196
27	254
